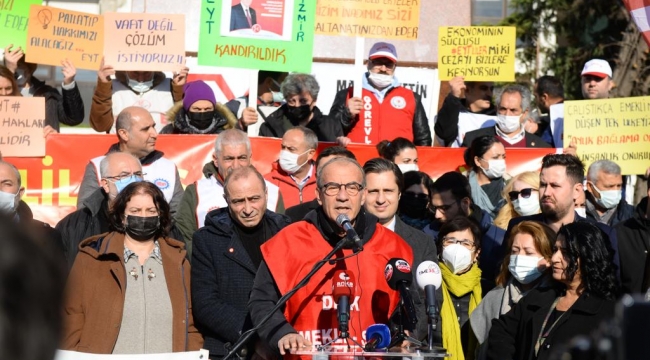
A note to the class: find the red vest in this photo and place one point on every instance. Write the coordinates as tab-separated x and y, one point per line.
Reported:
292	253
387	120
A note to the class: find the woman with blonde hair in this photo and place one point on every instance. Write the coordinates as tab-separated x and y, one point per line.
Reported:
522	198
525	267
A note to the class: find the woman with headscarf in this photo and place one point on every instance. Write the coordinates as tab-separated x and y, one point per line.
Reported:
585	295
199	112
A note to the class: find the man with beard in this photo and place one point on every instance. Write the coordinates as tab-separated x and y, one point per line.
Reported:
385	109
300	92
560	185
310	316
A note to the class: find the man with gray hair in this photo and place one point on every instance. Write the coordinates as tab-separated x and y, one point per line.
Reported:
232	150
136	135
513	105
604	201
300	92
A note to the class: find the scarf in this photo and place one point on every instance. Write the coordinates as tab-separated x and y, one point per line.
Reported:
511	140
458	285
479	196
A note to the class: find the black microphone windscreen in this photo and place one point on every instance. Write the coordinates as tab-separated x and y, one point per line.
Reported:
398	270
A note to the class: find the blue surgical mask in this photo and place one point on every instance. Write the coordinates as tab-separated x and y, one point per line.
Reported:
124	182
140	87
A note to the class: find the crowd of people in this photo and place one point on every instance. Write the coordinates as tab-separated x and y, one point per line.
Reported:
528	261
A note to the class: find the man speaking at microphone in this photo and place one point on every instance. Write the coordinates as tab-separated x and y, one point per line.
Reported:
310	317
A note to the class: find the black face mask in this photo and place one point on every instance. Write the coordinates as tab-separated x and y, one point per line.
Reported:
201	120
414	206
141	228
296	114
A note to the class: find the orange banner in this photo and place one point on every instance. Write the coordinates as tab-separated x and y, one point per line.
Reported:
52	182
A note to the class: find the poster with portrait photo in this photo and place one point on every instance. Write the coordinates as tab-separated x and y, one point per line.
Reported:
257	19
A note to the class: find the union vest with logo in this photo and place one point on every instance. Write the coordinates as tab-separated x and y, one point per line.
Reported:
307	310
161	172
391	118
209	196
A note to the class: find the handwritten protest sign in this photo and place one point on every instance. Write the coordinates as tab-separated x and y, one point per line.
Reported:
14	15
144	41
397	19
275	35
57	34
22	120
479	53
612	129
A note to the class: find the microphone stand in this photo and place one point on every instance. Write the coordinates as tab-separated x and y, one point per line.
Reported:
432	312
401	334
283	300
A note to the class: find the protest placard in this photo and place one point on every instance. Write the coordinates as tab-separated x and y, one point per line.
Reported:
479	53
22	120
266	35
153	42
398	19
13	21
612	129
58	34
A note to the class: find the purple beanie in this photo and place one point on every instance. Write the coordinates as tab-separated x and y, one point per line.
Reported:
195	91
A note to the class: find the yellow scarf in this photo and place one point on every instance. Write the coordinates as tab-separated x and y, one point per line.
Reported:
458	285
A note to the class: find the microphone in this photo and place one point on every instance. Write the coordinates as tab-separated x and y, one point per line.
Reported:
429	279
378	336
342	290
399	277
343	221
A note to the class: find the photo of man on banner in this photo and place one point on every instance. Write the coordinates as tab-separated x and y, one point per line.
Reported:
257	19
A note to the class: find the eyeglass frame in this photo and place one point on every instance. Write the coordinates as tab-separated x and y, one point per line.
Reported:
324	188
443	208
516	194
139	174
471	244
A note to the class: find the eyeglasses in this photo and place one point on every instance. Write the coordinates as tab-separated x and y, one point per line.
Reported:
450	241
125	175
525	194
383	62
443	208
332	189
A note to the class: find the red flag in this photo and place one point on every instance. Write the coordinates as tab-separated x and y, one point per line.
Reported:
640	12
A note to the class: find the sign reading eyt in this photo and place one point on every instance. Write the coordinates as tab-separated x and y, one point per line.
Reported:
611	129
22	120
137	42
478	53
57	34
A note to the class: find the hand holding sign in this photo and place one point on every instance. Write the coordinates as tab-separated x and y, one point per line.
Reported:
180	78
105	71
354	105
69	71
457	85
12	57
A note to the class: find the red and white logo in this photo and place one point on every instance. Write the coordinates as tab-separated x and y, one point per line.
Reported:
388	272
403	266
398	102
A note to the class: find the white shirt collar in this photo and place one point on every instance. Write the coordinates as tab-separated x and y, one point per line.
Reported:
391	224
511	140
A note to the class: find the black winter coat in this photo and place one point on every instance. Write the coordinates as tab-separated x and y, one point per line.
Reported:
446	127
277	124
67	108
634	250
222	279
514	334
623	212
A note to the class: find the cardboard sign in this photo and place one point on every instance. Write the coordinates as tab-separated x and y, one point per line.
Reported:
138	42
22	120
479	53
612	129
14	16
397	19
57	34
266	35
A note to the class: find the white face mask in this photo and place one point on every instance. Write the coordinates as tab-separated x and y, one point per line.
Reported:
508	124
524	268
277	97
8	202
496	168
380	80
609	199
140	87
582	212
525	207
408	167
289	161
457	258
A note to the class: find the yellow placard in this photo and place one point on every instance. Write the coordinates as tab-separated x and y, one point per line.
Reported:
384	19
144	42
22	120
478	53
56	34
612	129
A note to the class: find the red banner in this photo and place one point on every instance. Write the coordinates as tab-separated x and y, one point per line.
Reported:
52	182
